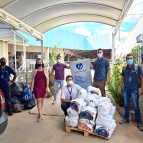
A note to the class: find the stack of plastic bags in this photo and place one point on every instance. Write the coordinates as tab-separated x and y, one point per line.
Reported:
92	113
105	124
73	112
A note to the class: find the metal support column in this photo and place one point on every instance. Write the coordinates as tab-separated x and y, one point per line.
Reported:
15	51
113	50
42	50
24	55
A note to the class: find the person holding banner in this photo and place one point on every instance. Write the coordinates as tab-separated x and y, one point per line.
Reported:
59	76
69	92
102	72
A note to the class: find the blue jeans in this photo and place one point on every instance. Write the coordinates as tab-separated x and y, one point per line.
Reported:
56	84
135	99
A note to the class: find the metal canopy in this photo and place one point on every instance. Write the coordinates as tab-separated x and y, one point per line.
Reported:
7	34
47	14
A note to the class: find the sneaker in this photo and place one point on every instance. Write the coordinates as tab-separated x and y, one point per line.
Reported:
124	121
10	113
140	126
54	102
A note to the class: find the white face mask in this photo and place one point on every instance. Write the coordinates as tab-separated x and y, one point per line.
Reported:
99	55
58	60
69	82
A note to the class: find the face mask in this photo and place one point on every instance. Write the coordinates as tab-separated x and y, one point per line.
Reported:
3	63
69	82
130	62
99	55
38	65
58	60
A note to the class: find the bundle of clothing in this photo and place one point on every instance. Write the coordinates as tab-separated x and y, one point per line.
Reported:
92	113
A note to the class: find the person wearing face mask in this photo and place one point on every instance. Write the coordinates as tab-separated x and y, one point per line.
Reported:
68	93
102	72
40	85
130	79
5	83
59	76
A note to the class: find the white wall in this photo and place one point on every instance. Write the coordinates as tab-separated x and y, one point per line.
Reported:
130	42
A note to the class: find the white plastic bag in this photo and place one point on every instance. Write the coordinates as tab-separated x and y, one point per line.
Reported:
71	122
88	113
113	110
82	94
86	125
78	105
105	99
92	101
105	121
104	108
72	113
96	90
103	131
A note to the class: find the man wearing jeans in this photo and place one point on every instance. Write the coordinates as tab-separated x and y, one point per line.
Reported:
59	76
130	78
5	83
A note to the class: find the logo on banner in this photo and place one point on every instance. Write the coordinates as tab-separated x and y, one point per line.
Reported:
79	66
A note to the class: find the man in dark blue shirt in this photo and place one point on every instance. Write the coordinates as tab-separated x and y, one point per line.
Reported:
130	78
5	83
102	72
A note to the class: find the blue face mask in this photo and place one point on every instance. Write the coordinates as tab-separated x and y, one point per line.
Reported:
130	62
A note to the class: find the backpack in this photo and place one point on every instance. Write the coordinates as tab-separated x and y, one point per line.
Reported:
136	70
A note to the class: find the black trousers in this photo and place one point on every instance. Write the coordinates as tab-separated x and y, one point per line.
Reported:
7	94
65	106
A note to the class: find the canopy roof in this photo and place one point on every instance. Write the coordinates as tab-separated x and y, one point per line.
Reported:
44	15
7	34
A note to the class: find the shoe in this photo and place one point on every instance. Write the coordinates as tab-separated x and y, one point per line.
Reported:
10	113
54	102
140	126
124	121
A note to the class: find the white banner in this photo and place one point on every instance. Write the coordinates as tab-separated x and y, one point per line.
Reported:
81	73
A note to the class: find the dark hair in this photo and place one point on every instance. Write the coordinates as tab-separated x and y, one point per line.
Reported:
69	77
99	49
36	63
129	55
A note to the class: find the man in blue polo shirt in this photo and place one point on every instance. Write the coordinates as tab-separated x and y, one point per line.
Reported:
102	72
5	83
130	79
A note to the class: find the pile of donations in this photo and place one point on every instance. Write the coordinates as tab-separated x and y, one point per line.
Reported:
92	113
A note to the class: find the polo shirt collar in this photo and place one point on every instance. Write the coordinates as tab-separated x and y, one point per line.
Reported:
100	58
133	65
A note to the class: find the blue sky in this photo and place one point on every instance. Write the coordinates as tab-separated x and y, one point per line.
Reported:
88	28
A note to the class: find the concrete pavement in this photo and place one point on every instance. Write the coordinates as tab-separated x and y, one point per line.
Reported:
24	128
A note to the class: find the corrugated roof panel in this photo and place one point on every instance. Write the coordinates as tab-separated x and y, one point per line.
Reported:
68	40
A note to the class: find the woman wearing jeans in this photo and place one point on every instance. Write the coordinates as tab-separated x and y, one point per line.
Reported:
40	85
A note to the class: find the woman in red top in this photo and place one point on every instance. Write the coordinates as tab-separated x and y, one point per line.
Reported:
40	85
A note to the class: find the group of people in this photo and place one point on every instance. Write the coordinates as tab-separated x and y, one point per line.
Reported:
131	75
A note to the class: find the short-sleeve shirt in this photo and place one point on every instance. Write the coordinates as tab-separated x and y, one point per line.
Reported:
5	76
131	78
59	71
67	93
101	67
